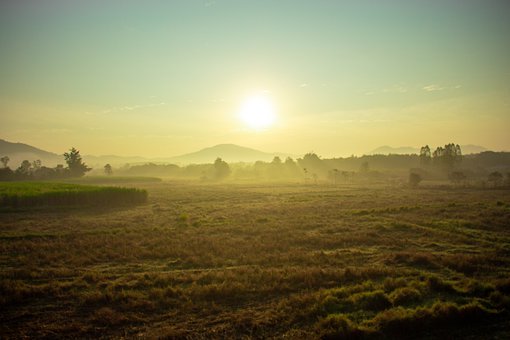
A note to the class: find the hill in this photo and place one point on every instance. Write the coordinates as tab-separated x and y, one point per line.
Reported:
227	152
17	152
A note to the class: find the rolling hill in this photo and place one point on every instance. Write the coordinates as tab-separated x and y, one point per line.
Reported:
227	152
17	152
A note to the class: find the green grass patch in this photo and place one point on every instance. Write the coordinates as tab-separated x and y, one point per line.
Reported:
32	194
114	179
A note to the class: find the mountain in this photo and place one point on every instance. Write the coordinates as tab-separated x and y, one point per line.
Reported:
227	152
17	152
100	161
470	148
408	150
402	150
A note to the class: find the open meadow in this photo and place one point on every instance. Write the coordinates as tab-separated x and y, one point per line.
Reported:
261	261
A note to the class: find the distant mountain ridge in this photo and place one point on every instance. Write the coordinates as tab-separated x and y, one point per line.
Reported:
229	153
408	150
17	152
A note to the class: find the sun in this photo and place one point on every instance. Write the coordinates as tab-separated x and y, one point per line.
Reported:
257	112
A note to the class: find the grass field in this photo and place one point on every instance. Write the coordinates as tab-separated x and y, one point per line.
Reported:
262	261
31	194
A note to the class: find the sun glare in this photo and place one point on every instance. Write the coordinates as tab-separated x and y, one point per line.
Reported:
257	112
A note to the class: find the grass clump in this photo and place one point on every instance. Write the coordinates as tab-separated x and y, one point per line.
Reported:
373	301
404	296
401	322
338	326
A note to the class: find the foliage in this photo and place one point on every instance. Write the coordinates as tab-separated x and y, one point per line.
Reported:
5	160
30	194
75	164
448	157
108	170
221	169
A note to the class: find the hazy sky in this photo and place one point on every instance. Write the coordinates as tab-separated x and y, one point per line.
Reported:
161	78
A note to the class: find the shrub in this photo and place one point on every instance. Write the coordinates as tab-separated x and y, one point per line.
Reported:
375	300
338	326
405	295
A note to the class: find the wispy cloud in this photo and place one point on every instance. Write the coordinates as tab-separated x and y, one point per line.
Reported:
131	108
435	87
432	88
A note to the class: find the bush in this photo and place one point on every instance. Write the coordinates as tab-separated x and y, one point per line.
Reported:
405	295
375	300
338	326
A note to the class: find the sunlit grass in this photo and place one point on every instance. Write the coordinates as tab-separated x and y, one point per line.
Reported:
30	194
262	261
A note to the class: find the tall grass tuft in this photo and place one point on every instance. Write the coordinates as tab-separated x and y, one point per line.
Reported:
26	194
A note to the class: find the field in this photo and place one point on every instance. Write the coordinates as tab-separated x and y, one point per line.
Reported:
262	261
31	194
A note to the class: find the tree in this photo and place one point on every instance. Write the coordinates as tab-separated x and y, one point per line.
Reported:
75	164
448	157
5	160
37	164
425	155
108	169
414	179
221	169
24	170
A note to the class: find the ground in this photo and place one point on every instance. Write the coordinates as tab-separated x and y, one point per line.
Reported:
230	260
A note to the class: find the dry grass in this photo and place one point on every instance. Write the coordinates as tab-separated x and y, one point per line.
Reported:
252	260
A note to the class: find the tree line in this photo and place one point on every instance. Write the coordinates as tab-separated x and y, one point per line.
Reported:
36	171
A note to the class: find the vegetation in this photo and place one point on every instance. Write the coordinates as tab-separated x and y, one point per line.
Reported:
263	261
30	194
36	171
75	164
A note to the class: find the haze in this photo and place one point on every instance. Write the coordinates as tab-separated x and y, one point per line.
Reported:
159	78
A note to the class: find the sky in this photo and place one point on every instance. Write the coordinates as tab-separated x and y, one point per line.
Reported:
163	78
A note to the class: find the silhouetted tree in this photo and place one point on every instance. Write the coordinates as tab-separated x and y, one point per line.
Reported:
448	157
425	155
5	160
75	164
36	165
414	179
221	169
108	169
292	169
275	168
24	170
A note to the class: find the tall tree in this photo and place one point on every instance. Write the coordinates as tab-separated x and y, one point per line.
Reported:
221	168
75	164
108	169
5	160
425	155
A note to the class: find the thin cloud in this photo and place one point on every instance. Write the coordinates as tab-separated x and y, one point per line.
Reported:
131	108
433	87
